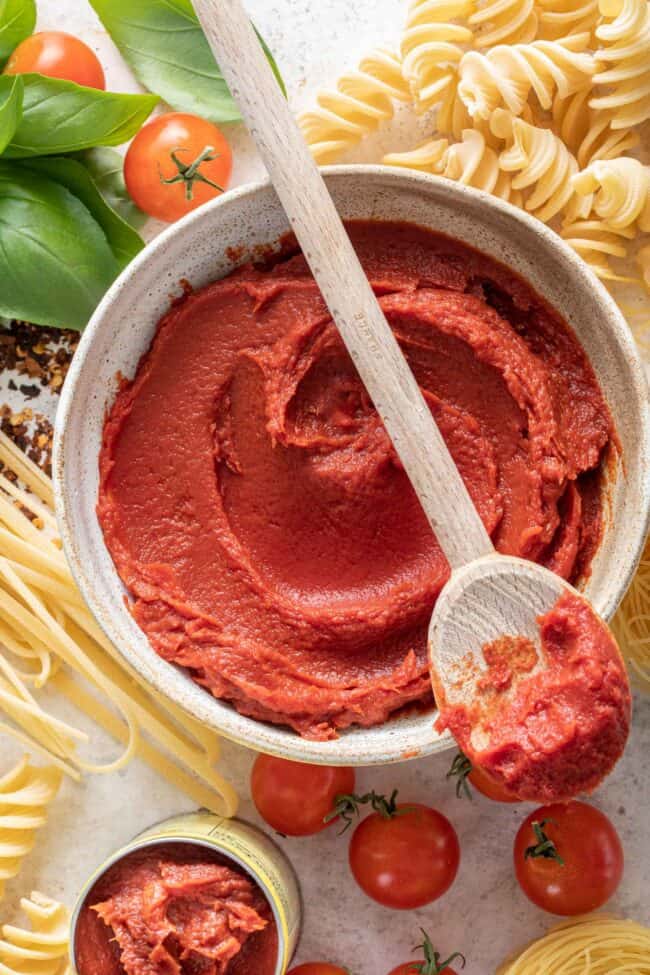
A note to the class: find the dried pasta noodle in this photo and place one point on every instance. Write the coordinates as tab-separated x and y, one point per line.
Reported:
589	945
361	101
41	949
563	18
52	640
25	793
504	22
506	75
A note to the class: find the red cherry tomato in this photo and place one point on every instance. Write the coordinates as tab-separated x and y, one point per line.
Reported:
585	841
431	961
413	968
489	787
57	55
407	860
294	798
318	968
175	164
463	772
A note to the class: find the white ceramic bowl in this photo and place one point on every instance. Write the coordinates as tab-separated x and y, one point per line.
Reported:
196	249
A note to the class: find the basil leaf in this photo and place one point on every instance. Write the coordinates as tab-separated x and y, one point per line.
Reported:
17	21
55	261
11	105
164	44
61	117
122	239
106	167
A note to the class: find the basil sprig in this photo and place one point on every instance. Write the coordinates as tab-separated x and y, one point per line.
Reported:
62	243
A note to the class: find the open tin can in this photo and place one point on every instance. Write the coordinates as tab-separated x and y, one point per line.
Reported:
247	849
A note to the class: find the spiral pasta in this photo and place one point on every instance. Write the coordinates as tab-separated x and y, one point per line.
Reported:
589	133
425	158
624	62
595	243
620	191
25	794
471	162
41	950
361	101
542	164
431	50
591	945
504	22
562	18
506	75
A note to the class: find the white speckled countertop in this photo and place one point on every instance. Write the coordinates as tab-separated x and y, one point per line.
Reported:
484	915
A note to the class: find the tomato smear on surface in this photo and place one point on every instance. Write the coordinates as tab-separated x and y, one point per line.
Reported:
560	730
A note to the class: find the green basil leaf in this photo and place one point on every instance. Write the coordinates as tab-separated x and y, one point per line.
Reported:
106	167
11	106
55	260
17	21
164	44
122	239
61	117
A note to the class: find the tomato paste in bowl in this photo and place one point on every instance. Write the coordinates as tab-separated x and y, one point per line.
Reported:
277	571
256	510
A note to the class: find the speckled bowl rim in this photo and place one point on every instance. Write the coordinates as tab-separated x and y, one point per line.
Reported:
404	737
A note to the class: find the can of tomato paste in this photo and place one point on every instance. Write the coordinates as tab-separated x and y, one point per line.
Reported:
197	888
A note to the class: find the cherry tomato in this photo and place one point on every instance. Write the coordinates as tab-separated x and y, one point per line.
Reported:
294	798
406	860
431	963
575	858
318	968
489	787
413	968
463	771
57	55
175	164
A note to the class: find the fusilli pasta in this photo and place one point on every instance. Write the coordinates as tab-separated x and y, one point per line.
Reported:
620	191
562	18
596	244
25	793
471	162
426	158
589	133
431	50
542	164
624	62
503	22
506	75
43	950
361	100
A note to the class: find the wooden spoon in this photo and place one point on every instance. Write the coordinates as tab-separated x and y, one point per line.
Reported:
488	595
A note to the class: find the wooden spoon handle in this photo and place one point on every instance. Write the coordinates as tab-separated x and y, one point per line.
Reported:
343	284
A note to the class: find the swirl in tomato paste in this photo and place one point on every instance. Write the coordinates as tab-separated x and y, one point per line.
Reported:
175	909
256	510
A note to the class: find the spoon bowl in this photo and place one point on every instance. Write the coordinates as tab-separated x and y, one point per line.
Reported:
484	600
